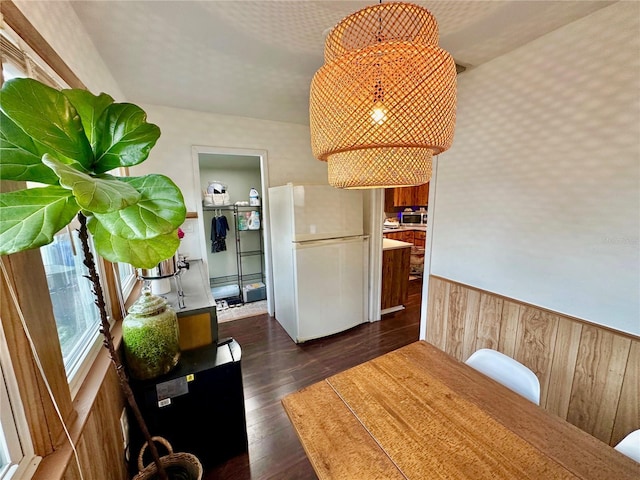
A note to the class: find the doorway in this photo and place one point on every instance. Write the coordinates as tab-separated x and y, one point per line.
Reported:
404	248
234	235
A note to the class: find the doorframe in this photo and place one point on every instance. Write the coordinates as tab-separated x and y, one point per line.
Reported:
374	223
428	251
196	150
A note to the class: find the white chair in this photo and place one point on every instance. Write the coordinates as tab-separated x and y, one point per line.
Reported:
507	371
630	446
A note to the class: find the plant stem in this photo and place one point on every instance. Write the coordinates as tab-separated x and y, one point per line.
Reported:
89	262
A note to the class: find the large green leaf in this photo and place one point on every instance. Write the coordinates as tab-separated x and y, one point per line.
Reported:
30	218
139	253
90	108
46	115
98	195
160	210
20	155
124	138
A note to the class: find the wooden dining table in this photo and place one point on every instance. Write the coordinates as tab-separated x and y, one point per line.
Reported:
418	413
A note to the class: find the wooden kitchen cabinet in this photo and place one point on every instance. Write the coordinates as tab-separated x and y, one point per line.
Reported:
419	238
197	318
396	264
403	235
407	236
395	236
406	197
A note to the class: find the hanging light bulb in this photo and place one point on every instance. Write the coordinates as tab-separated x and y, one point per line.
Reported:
384	101
379	111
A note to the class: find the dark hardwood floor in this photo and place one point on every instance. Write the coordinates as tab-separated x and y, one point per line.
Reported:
274	366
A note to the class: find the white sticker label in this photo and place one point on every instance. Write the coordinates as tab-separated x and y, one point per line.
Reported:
164	402
172	388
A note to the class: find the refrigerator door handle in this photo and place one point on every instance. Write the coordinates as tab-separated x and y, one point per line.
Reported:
311	243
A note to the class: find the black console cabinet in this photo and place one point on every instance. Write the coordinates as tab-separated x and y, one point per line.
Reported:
198	406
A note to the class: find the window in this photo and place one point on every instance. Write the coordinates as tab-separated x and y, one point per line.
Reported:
76	315
19	61
16	452
25	411
127	277
126	273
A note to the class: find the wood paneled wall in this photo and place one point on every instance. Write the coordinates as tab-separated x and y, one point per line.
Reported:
588	375
100	448
96	430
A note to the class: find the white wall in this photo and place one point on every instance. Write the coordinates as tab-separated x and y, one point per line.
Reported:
288	146
539	197
58	23
238	182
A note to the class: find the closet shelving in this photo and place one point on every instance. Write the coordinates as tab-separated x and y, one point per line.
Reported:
242	277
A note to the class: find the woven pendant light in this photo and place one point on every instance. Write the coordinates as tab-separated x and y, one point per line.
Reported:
384	101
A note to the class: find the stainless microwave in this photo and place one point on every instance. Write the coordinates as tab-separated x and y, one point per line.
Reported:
413	218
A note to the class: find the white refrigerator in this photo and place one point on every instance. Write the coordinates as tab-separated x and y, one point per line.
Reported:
320	259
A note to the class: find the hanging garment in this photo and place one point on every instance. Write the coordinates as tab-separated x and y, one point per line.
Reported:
213	235
222	228
219	228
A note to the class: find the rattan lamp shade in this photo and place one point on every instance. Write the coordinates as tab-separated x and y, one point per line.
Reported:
384	102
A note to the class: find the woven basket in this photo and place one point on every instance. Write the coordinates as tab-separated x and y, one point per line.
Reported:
186	463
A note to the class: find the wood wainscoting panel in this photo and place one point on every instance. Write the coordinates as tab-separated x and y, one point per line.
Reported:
588	375
456	319
563	368
629	406
509	328
597	384
96	429
105	420
534	347
472	313
100	449
490	314
439	304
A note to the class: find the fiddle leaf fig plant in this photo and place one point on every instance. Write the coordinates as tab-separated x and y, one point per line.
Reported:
67	141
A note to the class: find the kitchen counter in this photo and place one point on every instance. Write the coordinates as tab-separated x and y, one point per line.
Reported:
404	228
396	263
417	236
390	244
197	320
195	284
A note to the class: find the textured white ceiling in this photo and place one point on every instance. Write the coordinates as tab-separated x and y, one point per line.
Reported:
257	58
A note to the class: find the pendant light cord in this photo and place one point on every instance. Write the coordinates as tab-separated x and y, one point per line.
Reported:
36	357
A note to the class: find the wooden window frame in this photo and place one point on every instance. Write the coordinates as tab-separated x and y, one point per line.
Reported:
44	426
21	25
